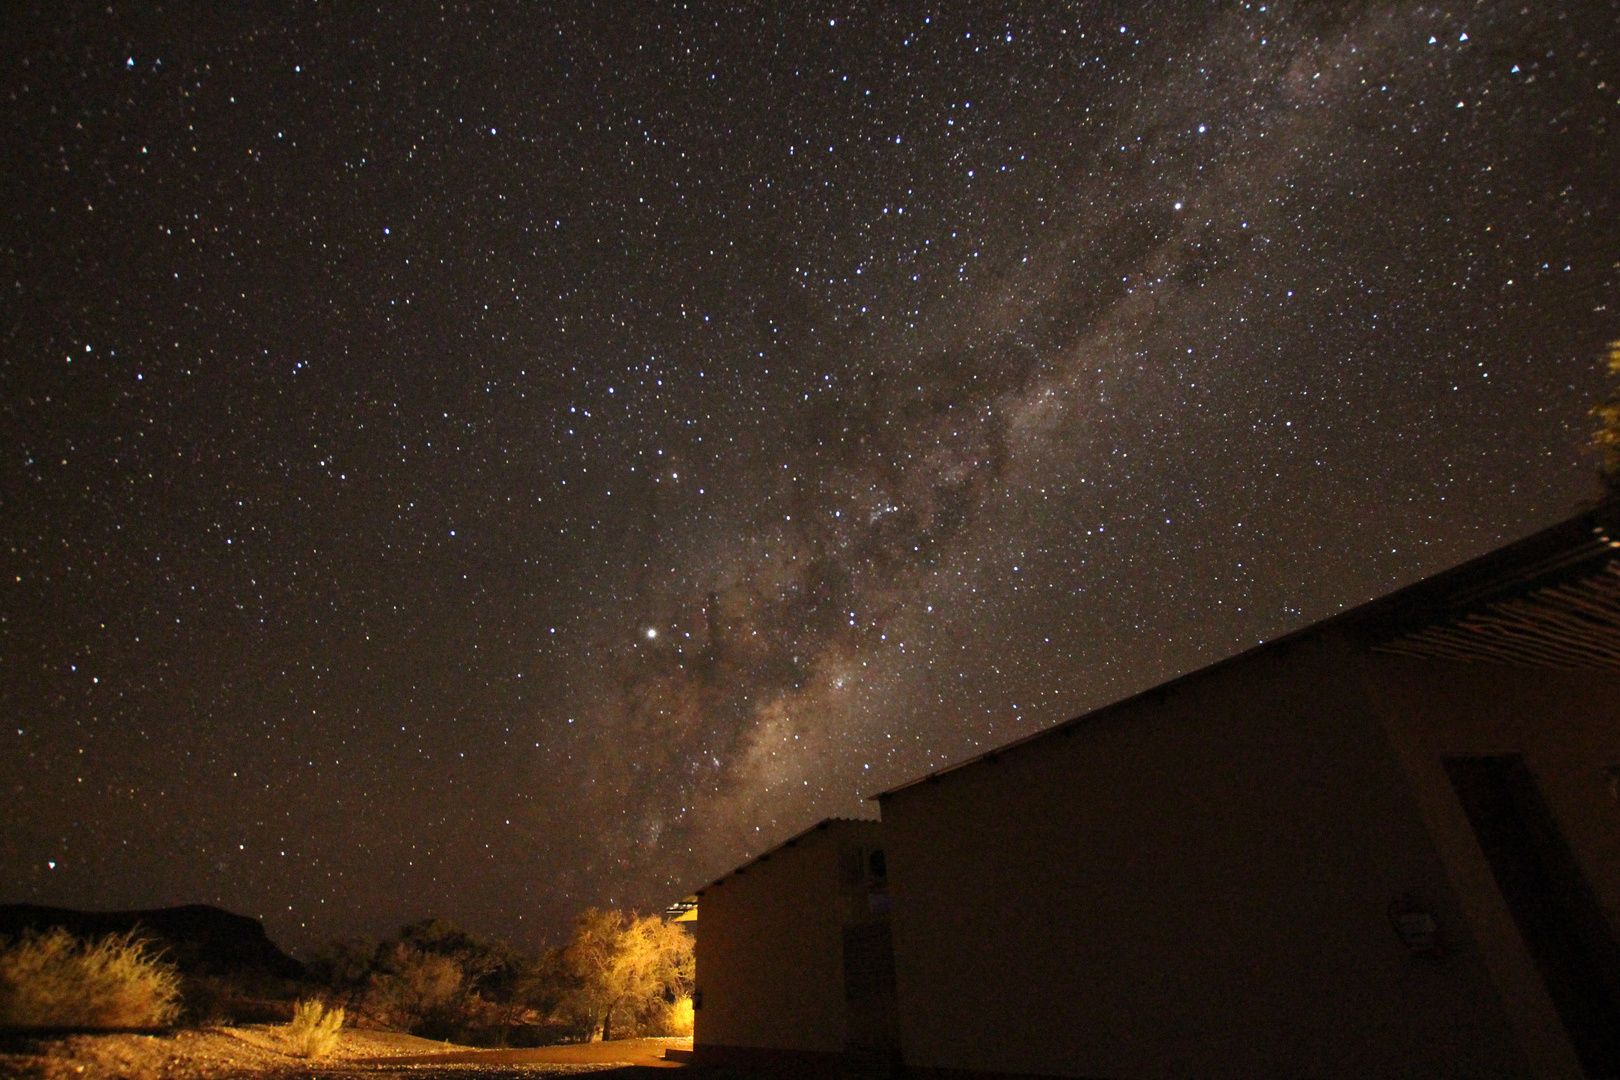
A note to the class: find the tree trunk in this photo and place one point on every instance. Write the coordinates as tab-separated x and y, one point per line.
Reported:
607	1018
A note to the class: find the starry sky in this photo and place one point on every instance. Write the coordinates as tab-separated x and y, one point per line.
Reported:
488	460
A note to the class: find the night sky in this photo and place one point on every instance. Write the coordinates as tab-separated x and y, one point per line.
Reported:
485	461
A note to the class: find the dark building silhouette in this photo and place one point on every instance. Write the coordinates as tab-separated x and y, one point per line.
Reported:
802	959
1385	845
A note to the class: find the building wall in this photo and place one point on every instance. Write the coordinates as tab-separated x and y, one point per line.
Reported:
1567	727
770	949
1197	883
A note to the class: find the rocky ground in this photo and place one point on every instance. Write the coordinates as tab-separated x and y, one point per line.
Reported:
259	1052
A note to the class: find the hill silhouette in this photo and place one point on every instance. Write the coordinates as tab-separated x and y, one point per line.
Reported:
199	939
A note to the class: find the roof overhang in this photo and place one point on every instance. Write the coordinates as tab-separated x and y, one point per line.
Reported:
1549	600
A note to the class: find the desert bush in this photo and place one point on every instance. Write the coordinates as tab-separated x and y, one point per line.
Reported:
680	1019
55	980
344	964
314	1030
662	1017
484	963
423	993
205	1001
621	974
434	978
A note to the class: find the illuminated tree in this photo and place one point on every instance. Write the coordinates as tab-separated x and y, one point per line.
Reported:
1606	439
624	968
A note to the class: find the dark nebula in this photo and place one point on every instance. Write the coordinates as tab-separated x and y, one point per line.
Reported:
484	461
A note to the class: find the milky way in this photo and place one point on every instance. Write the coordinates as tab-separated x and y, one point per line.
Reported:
490	463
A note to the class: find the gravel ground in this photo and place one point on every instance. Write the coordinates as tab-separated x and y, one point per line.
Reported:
252	1052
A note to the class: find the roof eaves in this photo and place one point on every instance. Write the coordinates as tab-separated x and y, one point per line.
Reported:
793	841
1559	548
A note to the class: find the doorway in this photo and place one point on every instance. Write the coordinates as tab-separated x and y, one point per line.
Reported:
1557	912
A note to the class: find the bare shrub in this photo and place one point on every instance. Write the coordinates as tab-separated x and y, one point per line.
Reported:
419	992
55	980
315	1030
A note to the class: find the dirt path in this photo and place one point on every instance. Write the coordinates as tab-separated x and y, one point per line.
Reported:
258	1052
618	1053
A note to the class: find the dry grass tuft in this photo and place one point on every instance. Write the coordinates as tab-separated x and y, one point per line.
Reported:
56	980
314	1030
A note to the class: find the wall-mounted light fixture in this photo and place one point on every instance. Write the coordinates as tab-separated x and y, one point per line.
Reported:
1415	924
1611	776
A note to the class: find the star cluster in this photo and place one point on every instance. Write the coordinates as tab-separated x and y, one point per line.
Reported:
490	460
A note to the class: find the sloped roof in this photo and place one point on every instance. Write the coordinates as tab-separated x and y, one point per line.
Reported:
1551	599
793	841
